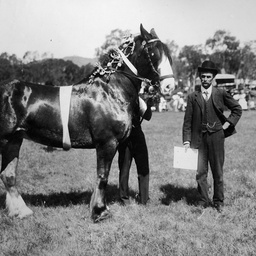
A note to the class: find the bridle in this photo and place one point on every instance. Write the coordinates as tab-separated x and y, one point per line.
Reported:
144	46
121	54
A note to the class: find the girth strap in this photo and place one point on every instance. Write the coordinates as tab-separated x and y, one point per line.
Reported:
65	95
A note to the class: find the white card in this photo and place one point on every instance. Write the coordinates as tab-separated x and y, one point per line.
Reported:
185	160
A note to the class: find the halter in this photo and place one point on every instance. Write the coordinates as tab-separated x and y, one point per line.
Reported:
145	46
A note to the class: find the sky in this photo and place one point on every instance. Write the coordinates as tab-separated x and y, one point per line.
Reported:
77	27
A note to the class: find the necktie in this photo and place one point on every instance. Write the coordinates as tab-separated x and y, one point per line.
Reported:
206	95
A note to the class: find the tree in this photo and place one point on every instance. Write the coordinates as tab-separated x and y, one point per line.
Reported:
191	57
30	56
114	39
9	65
174	50
5	69
248	62
223	49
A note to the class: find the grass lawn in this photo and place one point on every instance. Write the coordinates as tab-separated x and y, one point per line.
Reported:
58	185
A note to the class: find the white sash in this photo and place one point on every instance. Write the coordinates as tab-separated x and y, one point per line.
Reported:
65	95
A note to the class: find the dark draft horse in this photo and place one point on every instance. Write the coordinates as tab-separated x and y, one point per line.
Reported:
102	109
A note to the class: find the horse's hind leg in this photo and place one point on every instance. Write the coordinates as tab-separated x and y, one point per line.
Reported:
98	206
10	156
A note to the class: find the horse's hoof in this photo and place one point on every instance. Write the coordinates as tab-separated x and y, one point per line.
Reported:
104	215
25	213
22	213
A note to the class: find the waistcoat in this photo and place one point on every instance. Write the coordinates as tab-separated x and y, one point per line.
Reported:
211	122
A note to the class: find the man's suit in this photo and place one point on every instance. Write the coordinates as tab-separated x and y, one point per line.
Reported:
202	127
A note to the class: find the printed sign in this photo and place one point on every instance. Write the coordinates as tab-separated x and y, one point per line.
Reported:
185	160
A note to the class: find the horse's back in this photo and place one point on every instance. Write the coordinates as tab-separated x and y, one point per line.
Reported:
105	111
99	112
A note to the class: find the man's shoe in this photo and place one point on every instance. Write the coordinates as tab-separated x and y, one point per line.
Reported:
124	202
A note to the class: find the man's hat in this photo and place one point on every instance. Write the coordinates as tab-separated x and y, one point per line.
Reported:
208	66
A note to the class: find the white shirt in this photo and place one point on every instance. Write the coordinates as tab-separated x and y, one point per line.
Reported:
209	91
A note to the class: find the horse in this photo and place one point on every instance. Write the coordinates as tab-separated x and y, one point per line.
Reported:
98	113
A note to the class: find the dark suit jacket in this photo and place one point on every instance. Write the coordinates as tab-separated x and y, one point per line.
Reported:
192	126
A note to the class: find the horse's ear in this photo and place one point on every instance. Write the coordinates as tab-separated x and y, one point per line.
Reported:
145	33
153	33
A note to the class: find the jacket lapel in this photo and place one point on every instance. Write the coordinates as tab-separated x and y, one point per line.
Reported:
214	98
199	98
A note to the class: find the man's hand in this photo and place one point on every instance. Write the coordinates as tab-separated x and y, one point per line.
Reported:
186	145
150	102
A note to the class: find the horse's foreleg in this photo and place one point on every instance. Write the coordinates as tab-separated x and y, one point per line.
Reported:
98	205
14	202
124	163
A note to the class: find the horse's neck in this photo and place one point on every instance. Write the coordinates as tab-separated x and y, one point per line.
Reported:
134	81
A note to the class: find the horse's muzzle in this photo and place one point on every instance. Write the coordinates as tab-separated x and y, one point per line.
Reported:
167	85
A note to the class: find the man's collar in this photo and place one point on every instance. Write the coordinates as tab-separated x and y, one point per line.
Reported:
209	90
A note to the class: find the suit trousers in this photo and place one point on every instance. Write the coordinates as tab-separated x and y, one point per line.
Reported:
211	151
134	147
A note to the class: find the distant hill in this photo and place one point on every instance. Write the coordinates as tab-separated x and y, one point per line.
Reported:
80	61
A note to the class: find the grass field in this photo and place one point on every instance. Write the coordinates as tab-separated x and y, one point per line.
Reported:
57	186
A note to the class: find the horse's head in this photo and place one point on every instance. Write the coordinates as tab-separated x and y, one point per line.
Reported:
152	60
146	56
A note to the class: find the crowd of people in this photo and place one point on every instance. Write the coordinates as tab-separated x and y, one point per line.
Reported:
174	103
244	98
177	102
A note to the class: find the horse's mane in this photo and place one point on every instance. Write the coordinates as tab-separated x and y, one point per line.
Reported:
101	64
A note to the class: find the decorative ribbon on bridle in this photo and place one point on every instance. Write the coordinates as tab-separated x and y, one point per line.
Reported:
132	68
127	62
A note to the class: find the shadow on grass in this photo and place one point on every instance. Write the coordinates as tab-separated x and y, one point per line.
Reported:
174	194
67	198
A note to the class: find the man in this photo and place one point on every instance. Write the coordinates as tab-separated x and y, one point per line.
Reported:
205	128
135	147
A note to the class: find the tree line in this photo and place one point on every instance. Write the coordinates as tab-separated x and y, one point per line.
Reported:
224	49
44	71
230	56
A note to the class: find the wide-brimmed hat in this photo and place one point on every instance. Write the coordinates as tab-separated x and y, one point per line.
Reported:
208	66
